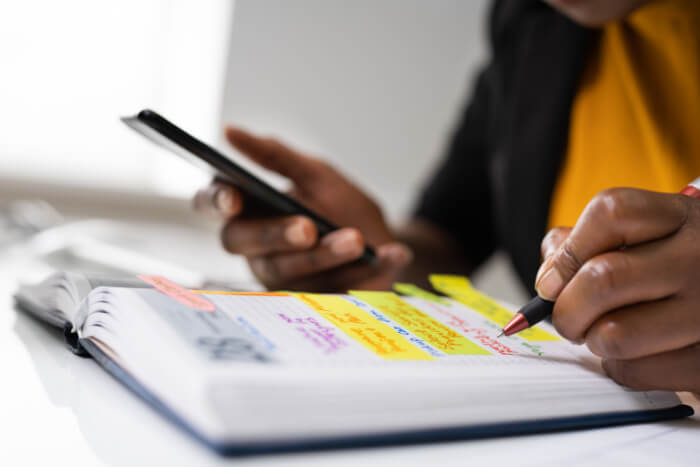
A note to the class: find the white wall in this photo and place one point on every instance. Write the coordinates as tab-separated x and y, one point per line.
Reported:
373	86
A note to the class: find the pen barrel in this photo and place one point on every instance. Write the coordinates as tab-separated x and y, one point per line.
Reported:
537	310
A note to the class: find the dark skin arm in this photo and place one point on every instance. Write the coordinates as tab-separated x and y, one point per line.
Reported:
286	253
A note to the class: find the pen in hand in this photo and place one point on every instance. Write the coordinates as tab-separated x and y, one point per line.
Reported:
538	308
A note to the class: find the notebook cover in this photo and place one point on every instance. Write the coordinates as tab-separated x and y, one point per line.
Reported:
389	438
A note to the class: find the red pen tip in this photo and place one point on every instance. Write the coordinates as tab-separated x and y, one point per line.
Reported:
516	324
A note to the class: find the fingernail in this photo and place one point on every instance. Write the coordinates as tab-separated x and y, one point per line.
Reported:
346	244
540	271
550	284
225	201
295	234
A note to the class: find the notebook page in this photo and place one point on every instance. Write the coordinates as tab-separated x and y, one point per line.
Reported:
347	364
343	331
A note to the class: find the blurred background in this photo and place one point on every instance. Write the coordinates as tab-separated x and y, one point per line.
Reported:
374	87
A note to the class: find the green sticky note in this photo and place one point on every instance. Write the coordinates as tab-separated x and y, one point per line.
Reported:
415	291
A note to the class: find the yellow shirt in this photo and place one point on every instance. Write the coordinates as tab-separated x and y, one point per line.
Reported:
635	120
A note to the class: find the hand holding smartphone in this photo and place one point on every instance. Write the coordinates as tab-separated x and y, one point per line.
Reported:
164	133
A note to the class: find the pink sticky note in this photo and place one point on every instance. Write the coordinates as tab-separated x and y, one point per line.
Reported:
182	295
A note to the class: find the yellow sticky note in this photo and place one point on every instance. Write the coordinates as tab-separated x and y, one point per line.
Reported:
459	288
376	336
415	321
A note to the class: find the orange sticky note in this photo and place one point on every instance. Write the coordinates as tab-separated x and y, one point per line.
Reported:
182	295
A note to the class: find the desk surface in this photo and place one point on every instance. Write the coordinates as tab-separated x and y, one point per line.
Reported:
58	409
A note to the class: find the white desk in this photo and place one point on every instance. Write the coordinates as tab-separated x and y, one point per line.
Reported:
59	409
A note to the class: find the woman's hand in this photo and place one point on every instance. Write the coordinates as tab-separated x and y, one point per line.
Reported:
626	280
285	252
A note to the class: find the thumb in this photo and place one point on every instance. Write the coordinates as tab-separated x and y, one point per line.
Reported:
275	156
553	240
550	244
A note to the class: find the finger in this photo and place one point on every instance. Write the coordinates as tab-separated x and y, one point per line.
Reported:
616	279
550	243
338	247
391	259
671	371
615	218
254	237
273	155
554	238
645	329
219	199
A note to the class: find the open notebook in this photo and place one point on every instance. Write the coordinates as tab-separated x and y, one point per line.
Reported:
260	372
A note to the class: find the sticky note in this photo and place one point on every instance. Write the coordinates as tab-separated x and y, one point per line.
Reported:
374	335
422	325
182	295
459	288
415	291
228	292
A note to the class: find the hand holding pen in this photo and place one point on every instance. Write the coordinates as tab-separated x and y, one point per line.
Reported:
624	281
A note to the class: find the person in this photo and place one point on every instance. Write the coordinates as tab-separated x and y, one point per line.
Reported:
586	116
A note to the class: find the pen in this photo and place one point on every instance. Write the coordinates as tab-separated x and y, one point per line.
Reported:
538	308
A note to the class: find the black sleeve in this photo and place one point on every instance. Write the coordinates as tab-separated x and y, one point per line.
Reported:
460	195
457	199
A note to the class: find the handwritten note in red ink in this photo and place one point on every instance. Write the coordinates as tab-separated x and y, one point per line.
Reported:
182	295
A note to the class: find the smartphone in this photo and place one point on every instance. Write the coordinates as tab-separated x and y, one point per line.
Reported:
265	199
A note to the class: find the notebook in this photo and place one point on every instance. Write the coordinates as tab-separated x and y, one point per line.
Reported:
253	372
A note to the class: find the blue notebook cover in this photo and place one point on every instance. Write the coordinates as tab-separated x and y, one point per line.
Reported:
85	346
